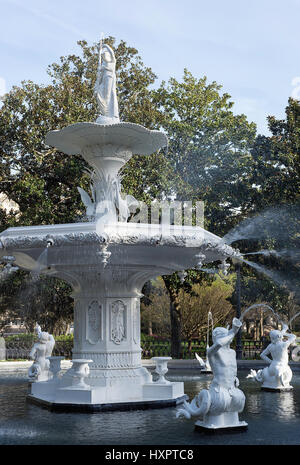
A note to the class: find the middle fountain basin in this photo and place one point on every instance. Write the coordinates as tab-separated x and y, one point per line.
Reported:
107	269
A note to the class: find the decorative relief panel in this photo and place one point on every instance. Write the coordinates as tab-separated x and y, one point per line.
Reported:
118	321
136	322
94	323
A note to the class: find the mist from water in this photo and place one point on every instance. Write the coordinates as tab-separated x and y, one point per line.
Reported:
292	255
274	222
293	318
276	277
41	264
265	307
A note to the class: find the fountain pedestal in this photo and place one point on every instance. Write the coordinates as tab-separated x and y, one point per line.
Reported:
107	340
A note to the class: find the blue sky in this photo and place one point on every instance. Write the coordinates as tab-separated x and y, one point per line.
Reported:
249	47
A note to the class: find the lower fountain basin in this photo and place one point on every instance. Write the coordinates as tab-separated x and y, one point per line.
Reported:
273	418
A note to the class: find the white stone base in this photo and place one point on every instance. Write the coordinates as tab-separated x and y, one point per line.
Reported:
224	421
75	395
274	388
211	428
54	392
154	391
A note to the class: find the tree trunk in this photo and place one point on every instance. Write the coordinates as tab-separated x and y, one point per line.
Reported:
261	324
190	343
175	331
150	333
175	317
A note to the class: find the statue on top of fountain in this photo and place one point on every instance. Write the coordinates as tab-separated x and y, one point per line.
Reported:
105	86
107	204
223	401
277	376
41	350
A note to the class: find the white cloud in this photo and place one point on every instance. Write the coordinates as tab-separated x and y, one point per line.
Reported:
296	88
2	87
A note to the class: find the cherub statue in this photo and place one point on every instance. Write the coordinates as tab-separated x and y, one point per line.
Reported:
277	375
219	405
41	350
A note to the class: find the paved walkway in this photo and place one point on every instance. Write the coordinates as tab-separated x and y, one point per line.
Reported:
148	363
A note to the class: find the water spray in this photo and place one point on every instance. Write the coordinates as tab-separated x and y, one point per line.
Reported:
258	306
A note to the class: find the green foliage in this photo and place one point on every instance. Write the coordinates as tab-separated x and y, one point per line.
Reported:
26	338
276	161
193	305
209	146
64	338
203	298
46	301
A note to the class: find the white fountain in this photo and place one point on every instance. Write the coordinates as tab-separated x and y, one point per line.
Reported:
107	260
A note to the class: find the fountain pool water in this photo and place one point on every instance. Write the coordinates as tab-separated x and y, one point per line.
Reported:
273	418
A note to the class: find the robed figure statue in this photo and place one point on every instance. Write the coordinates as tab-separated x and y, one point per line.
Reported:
105	86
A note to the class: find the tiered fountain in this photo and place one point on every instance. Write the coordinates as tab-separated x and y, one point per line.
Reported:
107	260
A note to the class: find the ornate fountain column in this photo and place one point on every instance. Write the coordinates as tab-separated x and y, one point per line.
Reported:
107	329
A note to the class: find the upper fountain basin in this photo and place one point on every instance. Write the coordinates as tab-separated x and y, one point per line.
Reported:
134	138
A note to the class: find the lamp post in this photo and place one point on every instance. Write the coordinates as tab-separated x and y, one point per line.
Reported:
239	346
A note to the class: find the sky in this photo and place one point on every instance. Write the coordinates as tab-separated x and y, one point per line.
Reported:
250	47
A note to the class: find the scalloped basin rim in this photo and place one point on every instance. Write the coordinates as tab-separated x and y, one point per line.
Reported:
136	138
130	244
116	233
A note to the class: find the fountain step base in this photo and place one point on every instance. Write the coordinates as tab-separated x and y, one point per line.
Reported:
116	396
164	391
106	407
271	389
202	427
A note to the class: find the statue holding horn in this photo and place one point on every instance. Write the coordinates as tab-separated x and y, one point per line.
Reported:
105	86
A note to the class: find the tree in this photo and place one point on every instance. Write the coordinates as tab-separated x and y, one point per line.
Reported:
203	298
209	147
273	216
46	301
276	161
155	318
